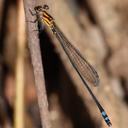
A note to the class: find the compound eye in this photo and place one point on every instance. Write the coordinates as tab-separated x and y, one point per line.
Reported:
46	7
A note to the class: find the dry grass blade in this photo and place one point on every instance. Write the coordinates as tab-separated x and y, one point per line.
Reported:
19	101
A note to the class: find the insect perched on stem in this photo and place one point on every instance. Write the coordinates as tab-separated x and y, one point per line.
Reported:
82	67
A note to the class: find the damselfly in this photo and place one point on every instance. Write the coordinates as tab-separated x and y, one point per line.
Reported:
83	68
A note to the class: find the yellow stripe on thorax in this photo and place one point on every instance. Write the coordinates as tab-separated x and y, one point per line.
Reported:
47	19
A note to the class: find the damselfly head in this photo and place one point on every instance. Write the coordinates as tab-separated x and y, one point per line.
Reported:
38	8
41	8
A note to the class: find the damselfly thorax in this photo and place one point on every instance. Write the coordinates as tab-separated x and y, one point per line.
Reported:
44	17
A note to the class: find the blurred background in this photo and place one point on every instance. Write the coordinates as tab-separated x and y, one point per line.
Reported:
99	29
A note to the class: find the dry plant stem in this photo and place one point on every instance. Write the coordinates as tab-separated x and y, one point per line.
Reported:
34	48
19	102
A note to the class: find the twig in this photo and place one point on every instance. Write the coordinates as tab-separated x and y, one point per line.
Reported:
37	65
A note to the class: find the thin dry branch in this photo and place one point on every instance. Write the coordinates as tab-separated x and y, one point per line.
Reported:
33	44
